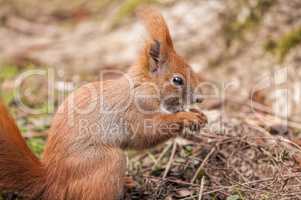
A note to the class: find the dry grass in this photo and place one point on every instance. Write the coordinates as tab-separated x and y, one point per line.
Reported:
242	162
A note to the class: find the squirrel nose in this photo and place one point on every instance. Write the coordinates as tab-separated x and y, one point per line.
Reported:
198	99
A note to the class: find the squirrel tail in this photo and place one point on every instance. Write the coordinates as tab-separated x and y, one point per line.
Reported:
20	170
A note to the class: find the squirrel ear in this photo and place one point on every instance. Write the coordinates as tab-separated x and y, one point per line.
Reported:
154	55
155	25
157	56
160	41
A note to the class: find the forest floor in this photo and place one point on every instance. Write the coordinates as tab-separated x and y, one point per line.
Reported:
248	51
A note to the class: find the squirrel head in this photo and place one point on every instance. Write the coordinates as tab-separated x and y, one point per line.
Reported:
177	82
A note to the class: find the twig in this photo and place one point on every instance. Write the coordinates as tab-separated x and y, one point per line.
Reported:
171	158
173	181
202	165
165	150
202	188
267	112
279	139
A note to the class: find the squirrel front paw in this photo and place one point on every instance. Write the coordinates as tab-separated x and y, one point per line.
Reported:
193	120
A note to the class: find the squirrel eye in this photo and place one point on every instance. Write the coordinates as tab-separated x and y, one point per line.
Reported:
177	80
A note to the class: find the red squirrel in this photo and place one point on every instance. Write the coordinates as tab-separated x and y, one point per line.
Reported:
84	156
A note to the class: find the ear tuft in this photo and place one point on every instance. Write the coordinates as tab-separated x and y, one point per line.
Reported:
155	25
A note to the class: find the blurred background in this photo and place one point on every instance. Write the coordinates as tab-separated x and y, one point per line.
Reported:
249	49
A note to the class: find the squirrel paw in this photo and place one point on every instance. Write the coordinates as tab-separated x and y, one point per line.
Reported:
193	120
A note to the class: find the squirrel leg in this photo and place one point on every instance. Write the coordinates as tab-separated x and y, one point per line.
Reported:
154	130
161	127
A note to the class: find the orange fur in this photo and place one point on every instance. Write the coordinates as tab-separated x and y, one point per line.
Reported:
20	170
155	25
